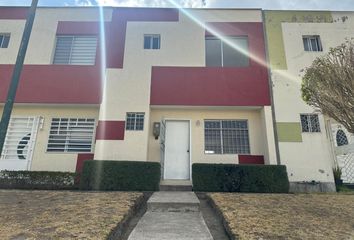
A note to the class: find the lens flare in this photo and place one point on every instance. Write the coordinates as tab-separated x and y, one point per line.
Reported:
188	13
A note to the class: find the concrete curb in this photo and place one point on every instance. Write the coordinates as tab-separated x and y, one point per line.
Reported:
219	213
119	231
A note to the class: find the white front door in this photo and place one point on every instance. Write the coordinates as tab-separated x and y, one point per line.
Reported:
19	143
177	163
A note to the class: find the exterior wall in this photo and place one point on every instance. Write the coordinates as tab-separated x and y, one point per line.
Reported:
308	156
42	160
197	117
182	45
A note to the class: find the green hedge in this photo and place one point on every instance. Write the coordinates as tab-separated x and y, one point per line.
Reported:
120	176
240	178
37	180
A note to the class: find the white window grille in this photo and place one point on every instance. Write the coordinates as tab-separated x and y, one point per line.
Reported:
20	136
75	50
312	43
233	53
4	40
135	121
226	137
310	123
152	41
71	135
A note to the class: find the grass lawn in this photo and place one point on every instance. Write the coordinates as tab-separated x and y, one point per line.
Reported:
62	214
287	216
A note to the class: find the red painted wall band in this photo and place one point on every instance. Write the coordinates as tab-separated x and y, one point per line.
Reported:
66	84
201	86
81	158
13	13
250	159
78	28
110	130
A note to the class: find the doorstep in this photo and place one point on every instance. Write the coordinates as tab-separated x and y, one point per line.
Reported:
175	185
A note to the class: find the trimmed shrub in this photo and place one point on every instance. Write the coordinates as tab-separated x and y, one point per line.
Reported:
240	178
37	180
120	176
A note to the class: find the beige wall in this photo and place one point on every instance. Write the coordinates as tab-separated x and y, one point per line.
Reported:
43	161
256	132
128	89
310	159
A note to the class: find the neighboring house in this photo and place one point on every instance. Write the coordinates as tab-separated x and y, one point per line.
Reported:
295	39
173	86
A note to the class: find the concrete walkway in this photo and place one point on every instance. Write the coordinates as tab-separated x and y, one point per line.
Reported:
172	216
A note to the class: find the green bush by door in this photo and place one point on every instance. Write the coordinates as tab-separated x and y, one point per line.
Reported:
120	176
240	178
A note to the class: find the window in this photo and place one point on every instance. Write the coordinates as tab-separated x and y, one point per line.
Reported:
310	123
135	121
75	50
226	137
152	41
341	138
222	54
4	40
71	135
312	43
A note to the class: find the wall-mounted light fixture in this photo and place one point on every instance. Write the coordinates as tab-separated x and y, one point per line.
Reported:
156	130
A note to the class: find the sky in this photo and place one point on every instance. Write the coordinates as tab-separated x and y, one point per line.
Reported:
340	5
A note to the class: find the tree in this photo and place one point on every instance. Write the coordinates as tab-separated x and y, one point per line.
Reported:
328	84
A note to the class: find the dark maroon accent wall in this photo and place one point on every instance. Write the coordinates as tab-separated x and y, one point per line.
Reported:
209	86
110	130
54	84
13	12
77	28
250	159
216	86
81	158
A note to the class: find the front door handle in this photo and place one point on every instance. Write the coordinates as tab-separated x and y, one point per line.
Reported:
188	151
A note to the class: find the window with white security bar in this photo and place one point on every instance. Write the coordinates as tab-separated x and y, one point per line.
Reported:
135	121
229	52
312	43
4	40
75	50
226	137
71	135
310	123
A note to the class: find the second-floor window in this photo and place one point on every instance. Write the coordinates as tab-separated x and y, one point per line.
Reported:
75	50
310	123
152	41
4	40
312	43
233	52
